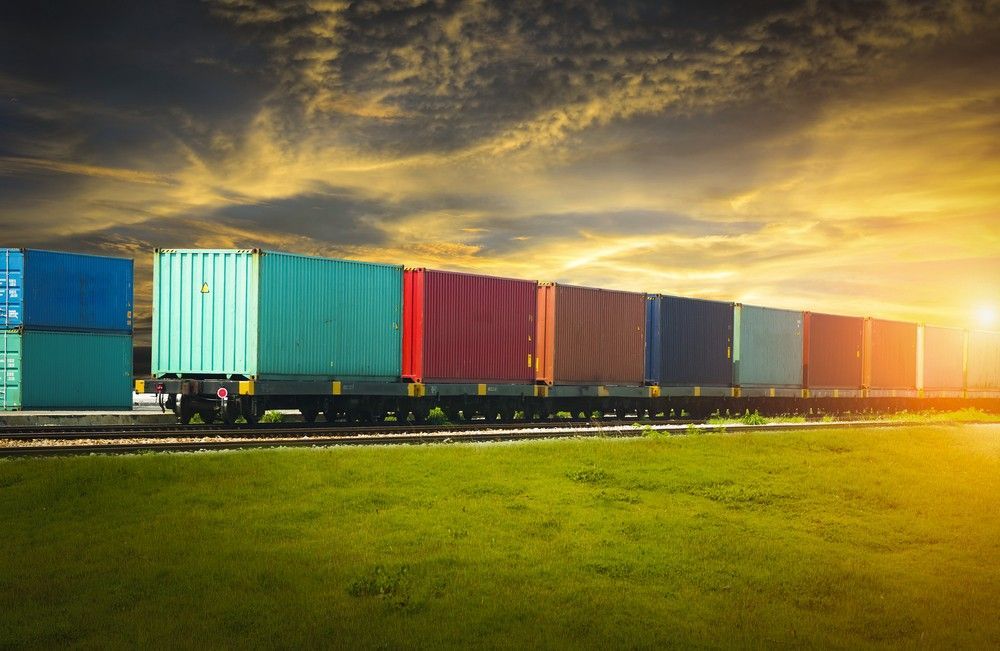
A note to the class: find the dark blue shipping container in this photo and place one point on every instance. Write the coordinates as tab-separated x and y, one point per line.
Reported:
696	343
654	341
49	290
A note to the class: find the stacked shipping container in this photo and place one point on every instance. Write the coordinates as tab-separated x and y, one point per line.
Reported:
65	315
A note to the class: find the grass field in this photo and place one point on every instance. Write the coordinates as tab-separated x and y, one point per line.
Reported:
854	538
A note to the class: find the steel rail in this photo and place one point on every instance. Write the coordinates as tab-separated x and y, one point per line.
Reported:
438	435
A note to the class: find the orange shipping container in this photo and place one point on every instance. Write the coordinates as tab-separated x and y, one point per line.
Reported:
589	336
944	354
890	354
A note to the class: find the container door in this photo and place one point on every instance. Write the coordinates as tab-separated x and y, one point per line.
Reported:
10	383
205	305
11	286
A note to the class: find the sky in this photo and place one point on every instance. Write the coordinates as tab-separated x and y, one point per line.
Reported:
829	156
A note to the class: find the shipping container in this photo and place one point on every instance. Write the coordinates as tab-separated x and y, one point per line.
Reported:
587	335
890	354
654	340
767	347
45	369
943	355
269	315
696	342
832	346
984	361
461	327
51	290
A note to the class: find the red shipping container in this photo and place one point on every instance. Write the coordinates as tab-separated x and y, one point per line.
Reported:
590	336
831	354
890	354
467	328
944	355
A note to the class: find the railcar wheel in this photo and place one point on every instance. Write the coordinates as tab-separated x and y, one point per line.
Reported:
309	414
185	410
207	416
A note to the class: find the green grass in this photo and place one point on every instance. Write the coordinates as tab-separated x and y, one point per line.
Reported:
854	538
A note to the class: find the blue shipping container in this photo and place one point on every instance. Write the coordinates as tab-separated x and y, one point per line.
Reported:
50	290
696	342
654	341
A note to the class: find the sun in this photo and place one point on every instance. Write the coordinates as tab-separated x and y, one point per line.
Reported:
986	316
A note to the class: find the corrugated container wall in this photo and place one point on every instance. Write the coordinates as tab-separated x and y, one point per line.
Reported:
890	354
943	359
696	342
654	339
587	335
269	315
984	361
767	348
36	365
467	328
832	347
51	290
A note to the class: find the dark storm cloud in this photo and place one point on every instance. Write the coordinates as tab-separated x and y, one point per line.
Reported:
333	215
442	75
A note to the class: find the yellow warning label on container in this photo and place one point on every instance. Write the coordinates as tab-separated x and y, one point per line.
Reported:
204	288
529	360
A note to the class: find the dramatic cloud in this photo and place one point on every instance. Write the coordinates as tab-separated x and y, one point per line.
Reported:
835	156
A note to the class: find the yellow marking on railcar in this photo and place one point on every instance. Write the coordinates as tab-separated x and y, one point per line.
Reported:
416	390
772	392
541	391
335	388
246	387
697	392
140	386
654	391
481	389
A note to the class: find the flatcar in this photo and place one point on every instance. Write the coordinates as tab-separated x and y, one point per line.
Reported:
239	332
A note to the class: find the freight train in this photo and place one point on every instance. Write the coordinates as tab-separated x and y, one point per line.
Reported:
238	332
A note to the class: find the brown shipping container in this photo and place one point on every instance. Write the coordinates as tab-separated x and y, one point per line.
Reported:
589	336
984	361
890	354
944	354
467	328
831	353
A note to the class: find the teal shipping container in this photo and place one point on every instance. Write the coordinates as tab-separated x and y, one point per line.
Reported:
767	347
45	369
267	315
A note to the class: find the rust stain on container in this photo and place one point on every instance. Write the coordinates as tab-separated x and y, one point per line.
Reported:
587	335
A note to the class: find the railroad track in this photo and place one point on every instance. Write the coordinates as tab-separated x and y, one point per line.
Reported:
283	430
471	433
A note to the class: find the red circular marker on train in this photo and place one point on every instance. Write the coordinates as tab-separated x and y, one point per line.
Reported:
223	393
